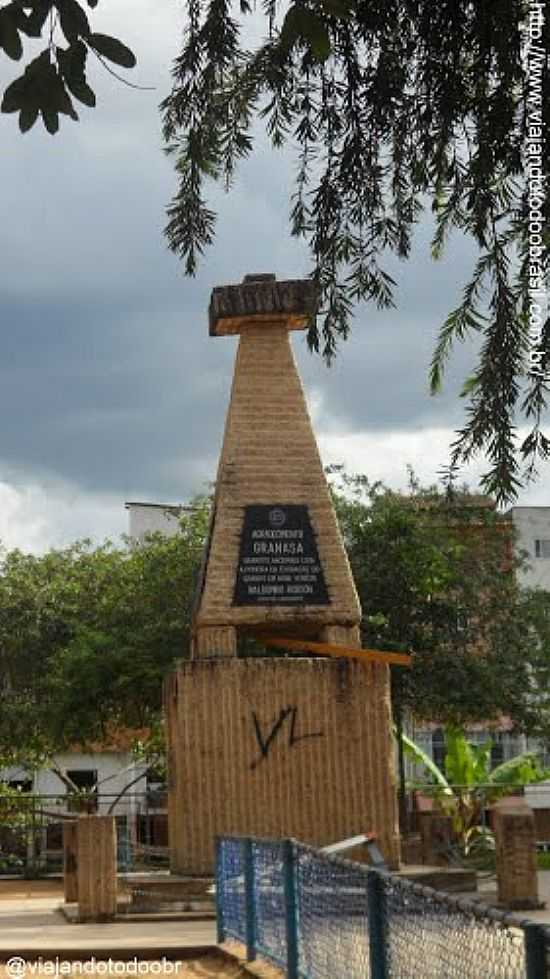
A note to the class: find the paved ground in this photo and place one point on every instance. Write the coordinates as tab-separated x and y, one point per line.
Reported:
35	925
487	890
11	890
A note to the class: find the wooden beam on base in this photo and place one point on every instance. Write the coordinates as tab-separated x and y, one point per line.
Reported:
333	649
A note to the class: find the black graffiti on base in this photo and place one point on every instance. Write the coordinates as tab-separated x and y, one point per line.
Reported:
265	743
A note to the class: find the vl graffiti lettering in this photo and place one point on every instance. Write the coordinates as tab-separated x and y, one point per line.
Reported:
265	742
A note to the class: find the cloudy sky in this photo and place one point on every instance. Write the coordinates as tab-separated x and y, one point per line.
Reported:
110	388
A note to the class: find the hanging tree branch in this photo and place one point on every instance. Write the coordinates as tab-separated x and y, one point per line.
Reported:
393	109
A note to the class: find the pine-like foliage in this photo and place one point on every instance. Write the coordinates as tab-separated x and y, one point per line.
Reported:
396	106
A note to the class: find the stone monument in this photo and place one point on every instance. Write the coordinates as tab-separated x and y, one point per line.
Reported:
278	746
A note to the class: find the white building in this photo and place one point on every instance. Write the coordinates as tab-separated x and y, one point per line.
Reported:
104	773
532	525
148	518
112	783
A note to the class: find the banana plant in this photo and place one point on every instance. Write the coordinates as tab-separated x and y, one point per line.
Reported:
468	785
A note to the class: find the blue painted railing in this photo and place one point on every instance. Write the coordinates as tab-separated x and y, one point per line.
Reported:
317	916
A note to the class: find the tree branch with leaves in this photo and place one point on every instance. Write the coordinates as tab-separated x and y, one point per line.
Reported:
393	111
57	75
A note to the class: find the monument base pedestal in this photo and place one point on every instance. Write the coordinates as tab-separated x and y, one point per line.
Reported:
278	747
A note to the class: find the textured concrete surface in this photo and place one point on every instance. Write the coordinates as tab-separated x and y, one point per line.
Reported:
36	925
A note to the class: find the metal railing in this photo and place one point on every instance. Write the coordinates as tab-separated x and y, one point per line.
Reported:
31	830
321	917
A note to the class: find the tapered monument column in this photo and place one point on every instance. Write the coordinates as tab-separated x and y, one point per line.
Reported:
281	746
270	459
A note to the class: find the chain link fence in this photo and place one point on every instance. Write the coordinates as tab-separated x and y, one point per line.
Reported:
322	917
265	873
230	887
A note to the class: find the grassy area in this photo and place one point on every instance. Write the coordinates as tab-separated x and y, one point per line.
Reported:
543	861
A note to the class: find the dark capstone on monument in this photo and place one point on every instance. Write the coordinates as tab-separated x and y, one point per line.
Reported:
262	295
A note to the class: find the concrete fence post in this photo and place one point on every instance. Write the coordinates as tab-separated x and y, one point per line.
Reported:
516	860
97	868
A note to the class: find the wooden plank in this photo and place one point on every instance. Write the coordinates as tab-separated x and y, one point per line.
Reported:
366	839
348	844
332	649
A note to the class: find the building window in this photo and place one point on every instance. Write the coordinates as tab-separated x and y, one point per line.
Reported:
20	784
85	780
542	548
155	790
439	749
497	749
540	749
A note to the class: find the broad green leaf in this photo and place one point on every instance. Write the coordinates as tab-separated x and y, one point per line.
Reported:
55	95
81	91
18	16
51	120
421	758
40	65
73	19
72	63
63	102
481	755
27	118
35	20
14	95
112	49
301	22
9	35
521	770
459	760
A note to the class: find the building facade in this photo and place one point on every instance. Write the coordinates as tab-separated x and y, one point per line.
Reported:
532	526
151	518
532	529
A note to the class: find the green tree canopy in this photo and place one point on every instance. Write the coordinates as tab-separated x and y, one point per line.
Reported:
87	635
437	575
